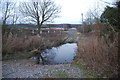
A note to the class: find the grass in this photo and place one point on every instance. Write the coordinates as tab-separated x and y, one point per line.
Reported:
75	32
22	44
85	72
61	74
20	55
99	55
24	55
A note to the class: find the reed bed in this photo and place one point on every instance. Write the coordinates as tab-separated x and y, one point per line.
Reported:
99	54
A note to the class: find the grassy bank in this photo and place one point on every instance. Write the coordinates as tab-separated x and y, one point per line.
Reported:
98	54
61	74
17	46
86	73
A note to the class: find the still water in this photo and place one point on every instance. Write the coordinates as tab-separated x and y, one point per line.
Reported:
62	54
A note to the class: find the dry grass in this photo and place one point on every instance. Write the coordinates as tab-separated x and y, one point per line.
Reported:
99	55
12	43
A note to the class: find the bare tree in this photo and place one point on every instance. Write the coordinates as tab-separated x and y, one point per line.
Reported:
15	16
40	12
90	19
93	15
6	10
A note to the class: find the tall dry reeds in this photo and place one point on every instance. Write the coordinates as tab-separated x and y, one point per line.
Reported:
99	54
13	43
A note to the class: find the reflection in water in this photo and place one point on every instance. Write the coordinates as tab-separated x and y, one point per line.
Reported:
62	54
48	55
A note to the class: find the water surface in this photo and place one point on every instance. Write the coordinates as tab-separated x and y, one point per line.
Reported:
62	54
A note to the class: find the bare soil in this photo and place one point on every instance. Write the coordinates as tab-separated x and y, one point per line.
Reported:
27	68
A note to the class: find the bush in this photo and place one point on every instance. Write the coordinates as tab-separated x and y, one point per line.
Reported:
14	43
99	54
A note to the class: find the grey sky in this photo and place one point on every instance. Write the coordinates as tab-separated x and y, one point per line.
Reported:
71	9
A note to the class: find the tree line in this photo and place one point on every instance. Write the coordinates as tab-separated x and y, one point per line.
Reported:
109	18
38	12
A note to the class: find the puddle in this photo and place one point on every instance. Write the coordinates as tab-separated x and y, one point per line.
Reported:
62	54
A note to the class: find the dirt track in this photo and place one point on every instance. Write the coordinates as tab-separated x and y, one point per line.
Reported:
29	69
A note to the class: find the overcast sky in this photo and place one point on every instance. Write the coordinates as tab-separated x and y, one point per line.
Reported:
71	9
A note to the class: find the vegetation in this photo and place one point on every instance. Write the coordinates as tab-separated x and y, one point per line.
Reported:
111	16
99	55
61	74
111	19
15	43
84	72
97	45
85	29
40	12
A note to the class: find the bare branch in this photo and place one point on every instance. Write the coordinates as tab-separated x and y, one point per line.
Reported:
41	12
7	8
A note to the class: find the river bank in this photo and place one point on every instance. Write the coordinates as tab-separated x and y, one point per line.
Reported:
28	69
20	46
98	54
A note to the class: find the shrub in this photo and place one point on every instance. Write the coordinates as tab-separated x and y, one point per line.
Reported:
13	43
99	54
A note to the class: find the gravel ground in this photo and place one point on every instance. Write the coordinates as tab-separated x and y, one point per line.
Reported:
27	68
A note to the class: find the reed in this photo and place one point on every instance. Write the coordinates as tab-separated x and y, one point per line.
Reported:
99	54
13	43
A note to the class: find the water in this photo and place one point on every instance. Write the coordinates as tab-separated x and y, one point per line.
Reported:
63	54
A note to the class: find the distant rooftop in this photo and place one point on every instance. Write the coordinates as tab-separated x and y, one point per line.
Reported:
44	25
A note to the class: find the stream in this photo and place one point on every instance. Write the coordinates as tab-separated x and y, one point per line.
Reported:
57	55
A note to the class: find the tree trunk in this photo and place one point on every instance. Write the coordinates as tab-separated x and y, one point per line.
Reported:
39	28
38	59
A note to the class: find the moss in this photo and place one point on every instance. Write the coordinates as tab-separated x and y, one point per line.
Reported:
61	74
71	41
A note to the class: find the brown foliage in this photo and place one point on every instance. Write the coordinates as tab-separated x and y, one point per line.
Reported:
99	54
12	43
